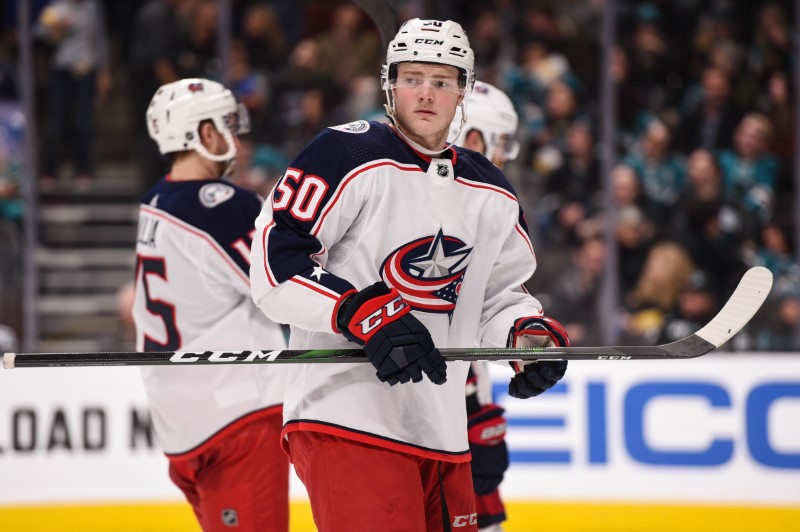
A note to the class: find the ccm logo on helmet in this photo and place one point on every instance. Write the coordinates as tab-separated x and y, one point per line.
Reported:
429	41
389	310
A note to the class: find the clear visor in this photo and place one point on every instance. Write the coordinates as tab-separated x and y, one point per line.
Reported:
413	81
239	122
511	148
506	146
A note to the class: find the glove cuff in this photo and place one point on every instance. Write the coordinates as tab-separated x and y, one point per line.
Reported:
487	426
538	326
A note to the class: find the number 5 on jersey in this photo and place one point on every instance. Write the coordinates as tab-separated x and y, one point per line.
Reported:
301	194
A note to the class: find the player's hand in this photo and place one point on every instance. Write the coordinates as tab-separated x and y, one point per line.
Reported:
486	433
397	343
534	378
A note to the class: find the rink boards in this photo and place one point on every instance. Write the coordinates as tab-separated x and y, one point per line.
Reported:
708	441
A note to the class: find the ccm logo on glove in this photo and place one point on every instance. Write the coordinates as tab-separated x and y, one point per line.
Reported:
397	343
390	311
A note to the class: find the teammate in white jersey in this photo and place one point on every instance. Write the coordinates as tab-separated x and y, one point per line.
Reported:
386	237
490	129
218	425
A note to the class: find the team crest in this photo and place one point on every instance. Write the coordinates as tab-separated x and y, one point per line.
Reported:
359	126
428	272
213	194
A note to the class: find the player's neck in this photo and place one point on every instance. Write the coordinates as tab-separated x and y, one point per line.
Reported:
194	167
416	143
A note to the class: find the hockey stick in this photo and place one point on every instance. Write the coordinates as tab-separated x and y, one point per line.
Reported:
742	305
382	16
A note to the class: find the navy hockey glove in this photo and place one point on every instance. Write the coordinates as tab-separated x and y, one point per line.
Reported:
486	432
534	378
397	343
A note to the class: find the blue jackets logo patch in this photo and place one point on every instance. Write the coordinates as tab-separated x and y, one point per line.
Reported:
359	126
428	272
213	194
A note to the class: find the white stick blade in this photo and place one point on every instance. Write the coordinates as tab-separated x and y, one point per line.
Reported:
748	297
8	360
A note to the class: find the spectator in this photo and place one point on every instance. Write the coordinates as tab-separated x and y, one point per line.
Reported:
572	188
779	331
79	72
154	43
661	171
777	103
251	88
304	99
666	274
650	56
775	249
563	108
749	171
631	114
633	229
635	233
530	77
197	45
350	49
707	113
712	228
264	38
487	41
574	294
771	46
697	305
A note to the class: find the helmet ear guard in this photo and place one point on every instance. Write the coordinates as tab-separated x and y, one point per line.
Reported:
177	109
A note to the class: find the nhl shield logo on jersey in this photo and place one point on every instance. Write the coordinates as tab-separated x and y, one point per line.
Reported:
230	517
359	126
213	194
428	271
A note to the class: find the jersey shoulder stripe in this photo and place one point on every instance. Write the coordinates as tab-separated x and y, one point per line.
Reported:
474	167
224	211
336	151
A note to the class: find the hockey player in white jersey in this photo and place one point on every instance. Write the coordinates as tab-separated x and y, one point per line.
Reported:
386	237
490	129
219	426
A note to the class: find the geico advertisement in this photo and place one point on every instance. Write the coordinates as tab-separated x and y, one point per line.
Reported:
724	428
721	428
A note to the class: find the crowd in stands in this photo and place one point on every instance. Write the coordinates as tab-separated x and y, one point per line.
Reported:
703	179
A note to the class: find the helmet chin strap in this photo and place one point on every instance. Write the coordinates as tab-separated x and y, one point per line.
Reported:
229	157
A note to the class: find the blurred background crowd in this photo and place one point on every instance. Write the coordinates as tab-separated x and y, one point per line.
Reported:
703	175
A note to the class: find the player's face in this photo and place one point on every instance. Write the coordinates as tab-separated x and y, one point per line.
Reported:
498	155
425	97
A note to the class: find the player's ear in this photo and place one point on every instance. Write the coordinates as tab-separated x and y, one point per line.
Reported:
207	131
474	141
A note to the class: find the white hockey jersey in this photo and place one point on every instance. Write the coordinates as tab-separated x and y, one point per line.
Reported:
358	205
193	294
